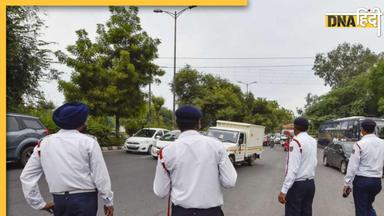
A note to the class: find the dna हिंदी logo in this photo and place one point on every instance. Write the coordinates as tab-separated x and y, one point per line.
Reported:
362	18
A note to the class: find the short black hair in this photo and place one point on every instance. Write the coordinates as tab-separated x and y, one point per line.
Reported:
301	124
301	128
184	125
368	125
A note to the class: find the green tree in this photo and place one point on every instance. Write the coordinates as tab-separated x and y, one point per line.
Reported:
109	74
343	63
28	59
220	99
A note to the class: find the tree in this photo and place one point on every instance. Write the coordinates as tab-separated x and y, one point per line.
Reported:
220	99
109	74
28	61
343	63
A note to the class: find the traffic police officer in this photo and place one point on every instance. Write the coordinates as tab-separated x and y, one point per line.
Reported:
299	187
73	166
365	169
193	169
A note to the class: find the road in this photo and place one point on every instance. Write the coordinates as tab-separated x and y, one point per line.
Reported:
255	193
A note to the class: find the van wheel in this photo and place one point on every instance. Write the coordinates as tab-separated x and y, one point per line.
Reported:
232	158
251	160
25	155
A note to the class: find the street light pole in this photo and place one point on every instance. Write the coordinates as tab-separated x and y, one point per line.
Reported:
247	84
174	15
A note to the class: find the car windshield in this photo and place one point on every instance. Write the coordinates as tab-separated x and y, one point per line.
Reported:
347	147
145	133
224	135
171	136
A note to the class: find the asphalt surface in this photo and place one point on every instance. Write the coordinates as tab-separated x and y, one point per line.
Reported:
255	193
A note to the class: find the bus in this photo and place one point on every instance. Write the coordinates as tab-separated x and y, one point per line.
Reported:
346	129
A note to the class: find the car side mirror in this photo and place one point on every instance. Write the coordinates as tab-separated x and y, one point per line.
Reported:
157	137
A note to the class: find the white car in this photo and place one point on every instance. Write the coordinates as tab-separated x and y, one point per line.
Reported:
165	140
143	140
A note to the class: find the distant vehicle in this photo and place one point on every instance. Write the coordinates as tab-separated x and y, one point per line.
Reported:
143	140
266	140
337	155
283	140
165	140
243	142
23	134
346	129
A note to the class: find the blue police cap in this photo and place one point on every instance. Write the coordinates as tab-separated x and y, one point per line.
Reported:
368	125
301	121
70	115
188	112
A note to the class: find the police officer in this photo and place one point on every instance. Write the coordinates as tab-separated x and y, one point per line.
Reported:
365	169
73	166
193	169
299	187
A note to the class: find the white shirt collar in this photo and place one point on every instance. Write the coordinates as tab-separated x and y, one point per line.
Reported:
188	133
68	131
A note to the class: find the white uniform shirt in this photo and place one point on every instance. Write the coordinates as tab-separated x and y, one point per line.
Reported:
199	166
366	159
301	164
70	161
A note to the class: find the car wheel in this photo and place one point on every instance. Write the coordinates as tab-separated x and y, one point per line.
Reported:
325	161
252	160
149	149
343	167
25	155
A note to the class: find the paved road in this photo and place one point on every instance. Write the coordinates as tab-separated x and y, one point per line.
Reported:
255	193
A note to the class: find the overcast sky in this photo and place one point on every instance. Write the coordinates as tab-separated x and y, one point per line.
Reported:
263	29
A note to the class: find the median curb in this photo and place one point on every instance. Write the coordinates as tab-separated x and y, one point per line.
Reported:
111	148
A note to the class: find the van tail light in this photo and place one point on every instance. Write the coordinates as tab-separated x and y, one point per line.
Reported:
46	131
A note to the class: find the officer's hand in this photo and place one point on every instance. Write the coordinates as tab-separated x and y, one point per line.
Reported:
108	210
281	198
48	207
346	191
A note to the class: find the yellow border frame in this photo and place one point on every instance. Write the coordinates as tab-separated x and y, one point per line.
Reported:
3	4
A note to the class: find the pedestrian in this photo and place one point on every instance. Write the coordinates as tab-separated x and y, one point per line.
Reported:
192	169
365	169
73	166
299	186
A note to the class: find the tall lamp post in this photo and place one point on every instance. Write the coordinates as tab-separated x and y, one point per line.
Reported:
247	84
174	15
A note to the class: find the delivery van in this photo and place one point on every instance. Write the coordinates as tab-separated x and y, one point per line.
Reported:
243	142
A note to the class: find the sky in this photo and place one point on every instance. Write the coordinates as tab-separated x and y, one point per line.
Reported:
247	44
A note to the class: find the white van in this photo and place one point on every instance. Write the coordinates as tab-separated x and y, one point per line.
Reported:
243	142
143	140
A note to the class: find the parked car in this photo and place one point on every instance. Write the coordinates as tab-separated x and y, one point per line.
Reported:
143	140
165	140
23	134
337	155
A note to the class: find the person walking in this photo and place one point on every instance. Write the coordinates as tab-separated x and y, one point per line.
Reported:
192	169
365	169
73	166
298	188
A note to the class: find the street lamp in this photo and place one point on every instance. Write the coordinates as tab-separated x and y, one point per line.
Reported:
174	15
247	84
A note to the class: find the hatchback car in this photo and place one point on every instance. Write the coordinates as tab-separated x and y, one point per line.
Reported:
23	133
144	140
165	140
337	155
